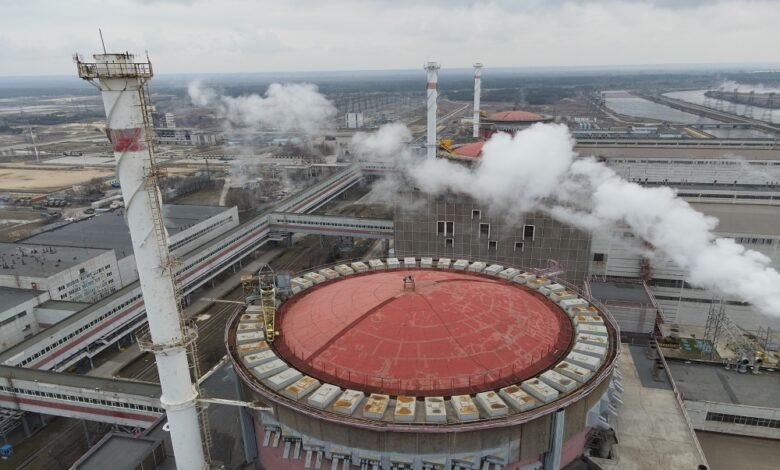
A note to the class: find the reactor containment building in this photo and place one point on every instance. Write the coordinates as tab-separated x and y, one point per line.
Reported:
423	363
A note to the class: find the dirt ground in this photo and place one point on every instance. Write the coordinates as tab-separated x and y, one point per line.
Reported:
47	179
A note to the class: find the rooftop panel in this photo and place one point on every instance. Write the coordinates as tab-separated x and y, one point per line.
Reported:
21	259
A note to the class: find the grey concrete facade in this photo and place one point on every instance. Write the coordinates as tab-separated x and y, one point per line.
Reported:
456	226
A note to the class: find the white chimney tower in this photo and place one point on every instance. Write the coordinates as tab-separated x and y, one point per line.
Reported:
433	80
122	81
477	91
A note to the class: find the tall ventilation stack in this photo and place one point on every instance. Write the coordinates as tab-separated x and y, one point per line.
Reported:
477	92
433	79
122	82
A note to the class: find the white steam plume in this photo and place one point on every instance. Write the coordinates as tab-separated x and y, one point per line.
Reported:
731	85
287	107
537	169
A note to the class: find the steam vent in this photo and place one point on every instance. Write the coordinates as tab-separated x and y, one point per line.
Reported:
425	363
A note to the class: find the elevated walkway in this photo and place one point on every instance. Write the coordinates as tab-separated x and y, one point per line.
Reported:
331	225
122	402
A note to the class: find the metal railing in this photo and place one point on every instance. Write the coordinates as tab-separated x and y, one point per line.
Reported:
678	395
95	70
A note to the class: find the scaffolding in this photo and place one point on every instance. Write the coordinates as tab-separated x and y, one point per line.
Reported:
720	325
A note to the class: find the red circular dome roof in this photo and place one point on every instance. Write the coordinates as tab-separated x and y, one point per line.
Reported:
455	332
516	116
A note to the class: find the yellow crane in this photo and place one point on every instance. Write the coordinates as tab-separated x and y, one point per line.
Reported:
267	297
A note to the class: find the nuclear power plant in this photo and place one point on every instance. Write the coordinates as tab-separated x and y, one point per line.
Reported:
427	363
436	319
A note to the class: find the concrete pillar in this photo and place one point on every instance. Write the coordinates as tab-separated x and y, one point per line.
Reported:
552	459
86	433
247	427
26	426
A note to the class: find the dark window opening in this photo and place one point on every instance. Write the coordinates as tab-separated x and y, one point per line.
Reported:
599	257
476	214
449	242
492	244
484	230
528	232
450	228
440	228
519	246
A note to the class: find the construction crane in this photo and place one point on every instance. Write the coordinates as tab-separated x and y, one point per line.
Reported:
446	145
267	289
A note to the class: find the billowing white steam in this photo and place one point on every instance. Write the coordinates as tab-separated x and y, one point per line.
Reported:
287	107
538	170
731	85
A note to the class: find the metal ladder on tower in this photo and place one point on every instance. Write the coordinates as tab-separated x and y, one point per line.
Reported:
169	263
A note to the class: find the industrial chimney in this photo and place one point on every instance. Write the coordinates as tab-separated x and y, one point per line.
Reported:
433	79
477	92
122	81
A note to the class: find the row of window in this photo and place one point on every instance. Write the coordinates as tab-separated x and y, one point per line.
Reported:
13	318
75	398
189	238
333	224
447	228
214	249
80	330
492	244
747	420
699	301
754	241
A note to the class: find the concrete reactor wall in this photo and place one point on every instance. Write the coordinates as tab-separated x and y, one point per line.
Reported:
458	227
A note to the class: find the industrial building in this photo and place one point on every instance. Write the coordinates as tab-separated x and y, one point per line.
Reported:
406	363
188	227
185	136
483	344
456	226
66	273
510	122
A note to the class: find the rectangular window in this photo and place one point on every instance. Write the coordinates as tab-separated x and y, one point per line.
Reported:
440	228
599	257
519	246
476	214
492	244
449	242
528	232
484	230
450	228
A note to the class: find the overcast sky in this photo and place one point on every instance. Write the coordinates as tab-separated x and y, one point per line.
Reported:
38	37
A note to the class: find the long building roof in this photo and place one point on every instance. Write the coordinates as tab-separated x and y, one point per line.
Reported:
743	218
109	230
